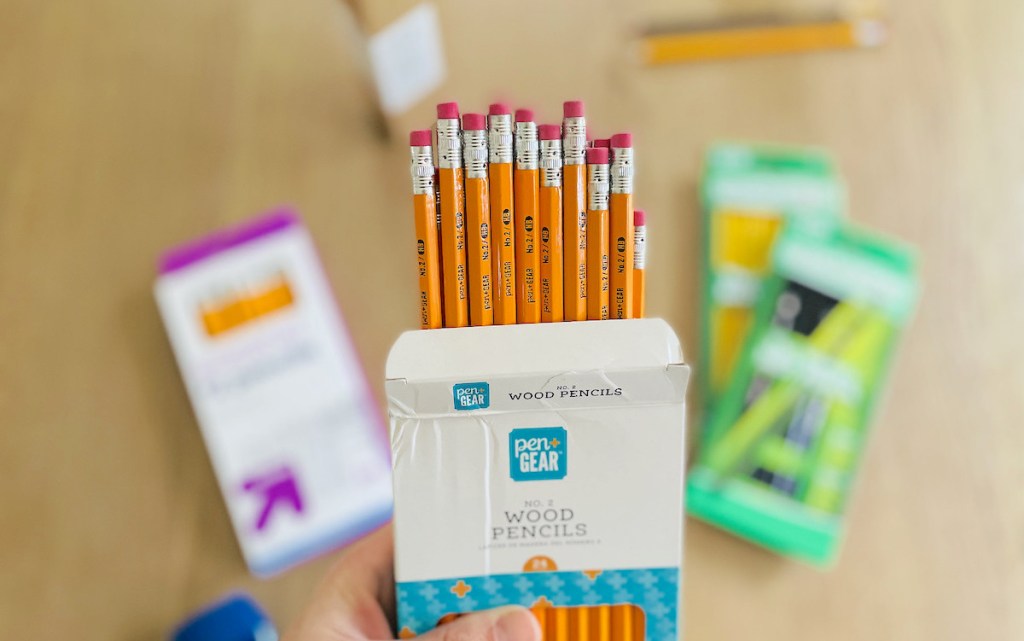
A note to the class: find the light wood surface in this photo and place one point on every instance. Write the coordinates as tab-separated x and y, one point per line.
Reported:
126	127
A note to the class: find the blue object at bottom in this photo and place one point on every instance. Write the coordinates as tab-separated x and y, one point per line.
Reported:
236	618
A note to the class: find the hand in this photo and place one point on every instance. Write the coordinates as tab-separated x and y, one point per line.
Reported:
355	601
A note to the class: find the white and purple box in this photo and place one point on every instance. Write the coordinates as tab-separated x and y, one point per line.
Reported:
296	438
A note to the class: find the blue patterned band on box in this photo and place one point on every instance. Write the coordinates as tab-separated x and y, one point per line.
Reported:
424	604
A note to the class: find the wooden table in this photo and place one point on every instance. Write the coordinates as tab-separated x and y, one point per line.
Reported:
126	127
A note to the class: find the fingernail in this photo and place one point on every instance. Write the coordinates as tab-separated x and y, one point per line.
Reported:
516	624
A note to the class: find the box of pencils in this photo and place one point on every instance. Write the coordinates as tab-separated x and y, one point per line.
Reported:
537	461
780	451
748	193
542	466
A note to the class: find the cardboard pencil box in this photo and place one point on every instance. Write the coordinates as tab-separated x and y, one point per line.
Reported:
542	466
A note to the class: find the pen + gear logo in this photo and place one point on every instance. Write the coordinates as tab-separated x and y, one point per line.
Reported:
471	396
538	453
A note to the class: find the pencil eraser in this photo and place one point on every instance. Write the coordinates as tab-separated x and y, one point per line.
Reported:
448	111
419	138
622	141
499	109
549	132
474	122
639	218
597	156
524	115
602	142
572	109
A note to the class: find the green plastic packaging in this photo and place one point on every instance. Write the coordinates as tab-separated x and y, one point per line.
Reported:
781	448
749	192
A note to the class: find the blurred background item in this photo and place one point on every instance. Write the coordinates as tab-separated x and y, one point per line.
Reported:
235	618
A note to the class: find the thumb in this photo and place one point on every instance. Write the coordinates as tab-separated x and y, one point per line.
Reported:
510	623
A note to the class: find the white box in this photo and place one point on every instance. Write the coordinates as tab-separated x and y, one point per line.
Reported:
295	437
539	465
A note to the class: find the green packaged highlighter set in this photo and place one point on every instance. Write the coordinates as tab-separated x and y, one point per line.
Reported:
748	194
781	446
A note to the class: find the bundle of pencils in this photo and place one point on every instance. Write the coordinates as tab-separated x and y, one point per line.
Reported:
520	223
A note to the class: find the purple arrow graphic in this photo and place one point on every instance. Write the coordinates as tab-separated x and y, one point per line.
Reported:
276	487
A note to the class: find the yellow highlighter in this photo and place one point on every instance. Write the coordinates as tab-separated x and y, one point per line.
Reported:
620	214
550	214
453	223
478	220
425	214
503	239
526	187
574	210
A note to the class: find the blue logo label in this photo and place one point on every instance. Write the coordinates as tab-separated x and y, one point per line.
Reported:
472	396
537	454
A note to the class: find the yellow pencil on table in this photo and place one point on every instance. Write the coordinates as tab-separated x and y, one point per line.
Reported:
503	239
550	215
453	224
574	210
597	234
478	220
743	41
620	215
425	215
526	194
639	262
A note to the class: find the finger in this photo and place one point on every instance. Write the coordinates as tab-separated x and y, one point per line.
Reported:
347	603
510	623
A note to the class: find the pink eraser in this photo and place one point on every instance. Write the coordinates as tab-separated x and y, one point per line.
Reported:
602	143
499	109
419	138
448	111
524	115
639	218
597	155
549	132
622	141
474	122
572	109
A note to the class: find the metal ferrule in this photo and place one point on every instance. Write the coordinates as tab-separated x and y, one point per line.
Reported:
499	138
640	248
422	170
574	140
474	152
527	149
622	171
449	144
551	163
597	187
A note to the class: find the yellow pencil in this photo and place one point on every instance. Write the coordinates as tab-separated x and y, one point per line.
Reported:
597	233
453	224
478	220
763	40
574	210
639	262
550	214
620	214
526	188
425	214
503	243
